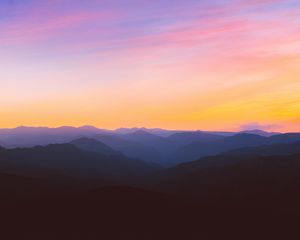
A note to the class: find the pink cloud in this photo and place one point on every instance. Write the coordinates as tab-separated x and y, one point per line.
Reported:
260	126
220	30
38	27
254	3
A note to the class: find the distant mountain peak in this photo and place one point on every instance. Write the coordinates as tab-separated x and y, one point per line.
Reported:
155	131
260	132
88	127
140	133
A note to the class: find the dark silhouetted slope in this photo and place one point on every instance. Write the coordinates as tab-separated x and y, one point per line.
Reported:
24	186
265	150
65	160
93	145
129	213
141	135
185	138
161	144
3	145
165	147
195	150
284	138
235	177
32	136
199	149
217	197
132	149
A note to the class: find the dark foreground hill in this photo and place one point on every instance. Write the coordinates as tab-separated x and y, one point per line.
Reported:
234	177
220	197
65	162
268	150
135	214
198	149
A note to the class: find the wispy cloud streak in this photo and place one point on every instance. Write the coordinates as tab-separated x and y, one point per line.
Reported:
150	53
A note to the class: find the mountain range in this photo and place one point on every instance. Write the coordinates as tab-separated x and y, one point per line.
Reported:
88	183
164	147
68	163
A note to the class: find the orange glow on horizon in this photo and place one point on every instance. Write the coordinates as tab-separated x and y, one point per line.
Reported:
197	66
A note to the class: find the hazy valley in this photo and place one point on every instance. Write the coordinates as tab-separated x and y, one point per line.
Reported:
169	179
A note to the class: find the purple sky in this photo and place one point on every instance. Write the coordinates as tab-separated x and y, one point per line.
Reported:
175	64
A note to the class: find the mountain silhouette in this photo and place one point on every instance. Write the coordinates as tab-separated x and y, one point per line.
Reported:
108	213
87	189
156	131
260	132
120	212
268	150
161	144
234	177
26	186
33	136
142	134
132	149
164	147
3	145
284	138
65	161
144	137
199	149
184	138
93	145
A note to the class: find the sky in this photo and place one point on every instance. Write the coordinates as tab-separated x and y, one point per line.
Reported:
175	64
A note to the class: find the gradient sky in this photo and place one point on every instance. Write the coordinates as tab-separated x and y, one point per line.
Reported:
177	64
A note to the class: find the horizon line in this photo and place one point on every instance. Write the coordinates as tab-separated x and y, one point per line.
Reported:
143	127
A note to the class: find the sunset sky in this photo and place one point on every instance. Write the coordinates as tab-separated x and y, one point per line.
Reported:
175	64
